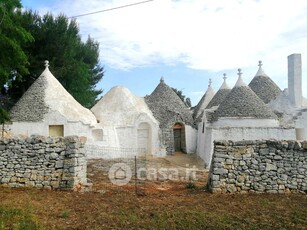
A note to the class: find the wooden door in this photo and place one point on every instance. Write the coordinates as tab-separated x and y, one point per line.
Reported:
177	139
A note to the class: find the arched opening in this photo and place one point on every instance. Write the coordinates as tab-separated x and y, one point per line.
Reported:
144	138
179	138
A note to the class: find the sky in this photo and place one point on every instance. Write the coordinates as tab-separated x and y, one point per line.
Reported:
189	41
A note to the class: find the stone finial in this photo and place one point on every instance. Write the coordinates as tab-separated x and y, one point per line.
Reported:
224	85
259	64
260	71
210	82
162	80
240	80
240	73
46	63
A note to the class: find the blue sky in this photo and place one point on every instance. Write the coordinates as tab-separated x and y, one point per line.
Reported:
189	41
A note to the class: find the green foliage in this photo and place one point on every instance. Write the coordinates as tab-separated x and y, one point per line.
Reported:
13	36
64	214
191	185
15	218
186	101
75	63
4	116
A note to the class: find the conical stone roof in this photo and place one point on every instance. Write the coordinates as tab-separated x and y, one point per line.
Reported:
220	95
242	102
167	107
119	107
204	101
46	95
263	86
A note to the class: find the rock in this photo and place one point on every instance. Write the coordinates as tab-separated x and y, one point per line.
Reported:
220	171
270	167
53	156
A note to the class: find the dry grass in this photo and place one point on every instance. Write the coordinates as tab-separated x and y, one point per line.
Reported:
176	208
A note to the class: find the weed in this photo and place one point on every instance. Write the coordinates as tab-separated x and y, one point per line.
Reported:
298	217
190	185
64	214
15	218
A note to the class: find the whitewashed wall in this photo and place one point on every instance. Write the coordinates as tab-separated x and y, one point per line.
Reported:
205	148
190	139
245	122
119	139
301	125
54	118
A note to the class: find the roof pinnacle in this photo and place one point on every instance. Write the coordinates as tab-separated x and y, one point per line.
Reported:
210	82
260	63
224	85
162	79
240	80
240	73
260	71
46	63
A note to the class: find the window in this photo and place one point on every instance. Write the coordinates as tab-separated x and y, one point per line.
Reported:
97	134
56	130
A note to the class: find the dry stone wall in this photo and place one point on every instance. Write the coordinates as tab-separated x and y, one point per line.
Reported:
258	166
43	162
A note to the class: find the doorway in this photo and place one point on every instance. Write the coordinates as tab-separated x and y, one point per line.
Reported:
143	137
179	137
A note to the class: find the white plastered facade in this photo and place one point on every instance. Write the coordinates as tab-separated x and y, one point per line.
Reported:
125	122
213	133
62	110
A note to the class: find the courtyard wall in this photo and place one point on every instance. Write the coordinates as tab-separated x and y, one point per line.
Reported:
258	166
43	162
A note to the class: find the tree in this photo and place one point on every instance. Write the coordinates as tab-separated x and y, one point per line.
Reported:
13	36
75	63
186	101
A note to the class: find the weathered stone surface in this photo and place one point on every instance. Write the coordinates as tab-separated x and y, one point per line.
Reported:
38	162
265	88
273	167
270	167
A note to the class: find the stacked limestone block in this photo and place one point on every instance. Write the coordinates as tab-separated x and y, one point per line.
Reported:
259	166
43	162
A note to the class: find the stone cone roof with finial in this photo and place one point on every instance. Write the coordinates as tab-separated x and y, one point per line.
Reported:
45	95
167	107
202	104
263	86
220	95
242	102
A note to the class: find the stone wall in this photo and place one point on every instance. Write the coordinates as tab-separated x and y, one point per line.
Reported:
167	140
259	166
43	162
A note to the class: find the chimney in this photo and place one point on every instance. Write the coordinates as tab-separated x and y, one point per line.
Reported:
295	79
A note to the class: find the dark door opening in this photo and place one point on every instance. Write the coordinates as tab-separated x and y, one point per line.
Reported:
177	140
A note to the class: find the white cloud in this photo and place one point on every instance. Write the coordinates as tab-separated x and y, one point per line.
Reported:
213	35
210	35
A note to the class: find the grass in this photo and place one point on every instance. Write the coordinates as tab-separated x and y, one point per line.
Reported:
17	218
64	214
178	208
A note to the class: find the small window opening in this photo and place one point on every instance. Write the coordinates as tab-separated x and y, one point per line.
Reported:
56	130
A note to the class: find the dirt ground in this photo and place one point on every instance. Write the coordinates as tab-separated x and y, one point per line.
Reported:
180	169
